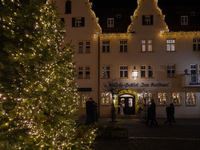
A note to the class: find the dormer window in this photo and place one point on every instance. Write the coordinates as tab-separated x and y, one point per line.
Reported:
110	22
184	20
147	20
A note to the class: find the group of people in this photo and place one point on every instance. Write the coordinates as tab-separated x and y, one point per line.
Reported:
91	112
151	114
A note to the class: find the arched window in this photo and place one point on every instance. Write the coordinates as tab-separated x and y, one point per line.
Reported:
68	7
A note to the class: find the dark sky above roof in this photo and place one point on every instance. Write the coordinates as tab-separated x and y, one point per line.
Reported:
131	3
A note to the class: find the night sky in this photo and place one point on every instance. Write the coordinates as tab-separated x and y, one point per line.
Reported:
125	3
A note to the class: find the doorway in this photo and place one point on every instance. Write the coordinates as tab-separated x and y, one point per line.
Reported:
127	104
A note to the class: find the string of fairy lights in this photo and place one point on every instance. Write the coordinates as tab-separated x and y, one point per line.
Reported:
43	101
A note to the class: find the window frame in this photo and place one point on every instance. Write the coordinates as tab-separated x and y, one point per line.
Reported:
87	72
105	46
105	98
105	69
170	44
184	20
176	98
110	22
87	46
143	71
79	72
82	98
78	22
147	45
189	98
170	68
80	47
196	44
162	98
150	69
147	20
123	46
123	71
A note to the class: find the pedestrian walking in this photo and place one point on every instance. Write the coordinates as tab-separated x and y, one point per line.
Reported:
90	112
172	109
169	115
153	113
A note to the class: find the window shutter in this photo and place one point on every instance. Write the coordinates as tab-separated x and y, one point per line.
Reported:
143	20
151	19
73	22
83	21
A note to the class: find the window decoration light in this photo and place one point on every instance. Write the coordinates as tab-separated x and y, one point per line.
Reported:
135	73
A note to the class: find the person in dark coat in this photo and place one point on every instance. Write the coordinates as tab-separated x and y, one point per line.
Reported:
172	109
153	113
169	115
90	112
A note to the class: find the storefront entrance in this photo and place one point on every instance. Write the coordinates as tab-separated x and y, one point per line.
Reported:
127	104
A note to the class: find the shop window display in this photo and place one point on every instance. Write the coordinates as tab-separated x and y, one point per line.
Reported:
162	98
176	98
105	98
190	99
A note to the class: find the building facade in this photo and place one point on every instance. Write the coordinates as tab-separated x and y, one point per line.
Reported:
154	60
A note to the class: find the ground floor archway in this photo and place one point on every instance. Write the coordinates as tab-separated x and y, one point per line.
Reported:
127	102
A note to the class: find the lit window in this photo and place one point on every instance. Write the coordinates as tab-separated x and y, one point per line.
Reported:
123	45
110	22
83	97
176	98
106	72
150	45
130	102
105	98
171	45
196	44
123	71
162	98
105	46
190	99
147	45
171	71
143	45
184	20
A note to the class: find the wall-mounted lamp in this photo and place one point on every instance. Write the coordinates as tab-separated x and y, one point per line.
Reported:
134	73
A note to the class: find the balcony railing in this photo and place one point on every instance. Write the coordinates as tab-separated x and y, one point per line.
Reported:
191	80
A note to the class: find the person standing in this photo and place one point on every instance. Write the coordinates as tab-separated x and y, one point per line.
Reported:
169	115
153	113
90	112
172	109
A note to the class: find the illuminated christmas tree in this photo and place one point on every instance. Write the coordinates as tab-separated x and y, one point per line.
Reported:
38	94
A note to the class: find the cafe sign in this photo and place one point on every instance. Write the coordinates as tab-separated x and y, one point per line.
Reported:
148	84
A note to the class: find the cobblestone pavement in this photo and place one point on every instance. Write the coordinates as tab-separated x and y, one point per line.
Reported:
182	135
